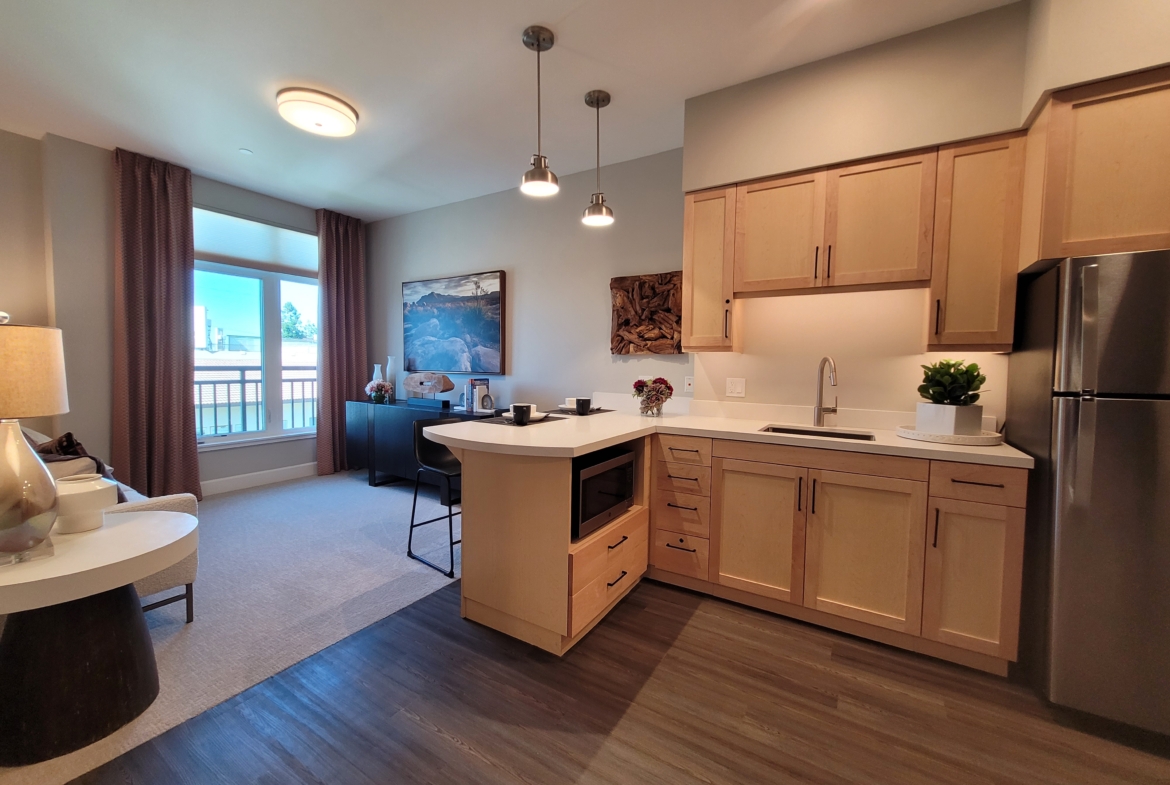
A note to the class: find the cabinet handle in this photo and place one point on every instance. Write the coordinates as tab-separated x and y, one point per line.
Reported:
682	449
799	491
680	507
981	484
816	261
619	542
616	580
814	497
688	550
937	314
829	264
726	313
935	543
688	479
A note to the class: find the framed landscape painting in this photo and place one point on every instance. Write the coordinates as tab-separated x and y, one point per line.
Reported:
454	325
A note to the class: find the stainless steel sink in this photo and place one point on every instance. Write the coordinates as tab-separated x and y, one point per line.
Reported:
824	433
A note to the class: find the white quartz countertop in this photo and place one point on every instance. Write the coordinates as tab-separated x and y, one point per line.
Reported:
575	436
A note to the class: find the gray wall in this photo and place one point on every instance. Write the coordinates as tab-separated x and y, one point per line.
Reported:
954	81
23	292
558	272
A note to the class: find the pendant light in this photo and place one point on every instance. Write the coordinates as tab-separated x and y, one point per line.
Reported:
539	180
598	212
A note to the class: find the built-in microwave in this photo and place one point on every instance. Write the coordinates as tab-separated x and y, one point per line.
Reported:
603	488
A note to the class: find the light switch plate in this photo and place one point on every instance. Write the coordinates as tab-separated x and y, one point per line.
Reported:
688	384
736	388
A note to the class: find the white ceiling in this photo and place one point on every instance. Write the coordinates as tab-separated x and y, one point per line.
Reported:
445	89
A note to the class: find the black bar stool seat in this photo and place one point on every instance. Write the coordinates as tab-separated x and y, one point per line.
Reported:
437	459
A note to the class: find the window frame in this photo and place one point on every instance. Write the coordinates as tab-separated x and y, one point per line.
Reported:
271	359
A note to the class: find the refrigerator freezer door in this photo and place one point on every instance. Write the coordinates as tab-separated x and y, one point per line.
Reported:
1111	579
1115	325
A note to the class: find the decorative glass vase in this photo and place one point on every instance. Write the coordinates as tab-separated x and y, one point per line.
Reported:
651	410
378	397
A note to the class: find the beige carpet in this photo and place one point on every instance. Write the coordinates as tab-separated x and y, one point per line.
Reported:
284	571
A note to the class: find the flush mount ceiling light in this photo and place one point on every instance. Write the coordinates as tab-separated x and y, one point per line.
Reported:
316	112
598	212
539	180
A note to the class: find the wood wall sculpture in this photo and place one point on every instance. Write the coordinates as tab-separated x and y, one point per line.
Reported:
647	314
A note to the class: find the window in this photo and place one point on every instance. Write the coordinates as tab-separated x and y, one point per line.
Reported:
255	330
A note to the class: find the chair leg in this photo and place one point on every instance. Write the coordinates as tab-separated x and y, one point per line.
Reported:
413	507
190	602
450	532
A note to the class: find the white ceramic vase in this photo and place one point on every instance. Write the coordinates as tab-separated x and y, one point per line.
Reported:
80	501
950	420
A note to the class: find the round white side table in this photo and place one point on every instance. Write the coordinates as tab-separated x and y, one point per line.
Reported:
75	654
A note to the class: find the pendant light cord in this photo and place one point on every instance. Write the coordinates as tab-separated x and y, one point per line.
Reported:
598	108
538	150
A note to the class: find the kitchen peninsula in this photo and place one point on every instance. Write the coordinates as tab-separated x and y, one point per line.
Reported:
914	544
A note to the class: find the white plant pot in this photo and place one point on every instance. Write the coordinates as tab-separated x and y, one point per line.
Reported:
949	420
80	501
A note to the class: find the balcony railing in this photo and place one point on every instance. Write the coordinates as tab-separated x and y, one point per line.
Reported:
230	399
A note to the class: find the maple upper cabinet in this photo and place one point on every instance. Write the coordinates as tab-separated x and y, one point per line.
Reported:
708	319
757	528
779	232
976	243
879	220
974	566
864	542
1099	170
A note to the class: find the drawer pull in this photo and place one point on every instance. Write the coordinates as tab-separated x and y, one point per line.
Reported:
682	449
615	581
688	479
619	542
677	548
983	484
681	507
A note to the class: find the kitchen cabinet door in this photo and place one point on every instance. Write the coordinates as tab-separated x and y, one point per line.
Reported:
879	221
976	243
779	233
973	572
864	544
708	320
757	528
1107	176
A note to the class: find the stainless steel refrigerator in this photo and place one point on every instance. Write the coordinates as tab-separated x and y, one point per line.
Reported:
1089	399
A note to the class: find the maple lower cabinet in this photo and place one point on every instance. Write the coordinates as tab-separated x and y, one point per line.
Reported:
973	572
976	243
879	220
708	318
1099	161
864	543
779	233
757	528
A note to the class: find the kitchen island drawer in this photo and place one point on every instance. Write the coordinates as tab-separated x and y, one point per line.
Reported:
973	482
680	553
684	513
619	575
683	478
595	554
682	449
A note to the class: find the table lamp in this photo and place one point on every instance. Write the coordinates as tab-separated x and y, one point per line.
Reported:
32	384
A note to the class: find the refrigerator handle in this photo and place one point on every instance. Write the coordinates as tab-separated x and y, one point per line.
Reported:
1089	291
1082	481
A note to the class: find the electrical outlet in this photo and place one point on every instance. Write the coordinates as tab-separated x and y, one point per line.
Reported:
736	388
688	384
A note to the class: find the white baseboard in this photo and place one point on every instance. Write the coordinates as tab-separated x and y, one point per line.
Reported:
255	479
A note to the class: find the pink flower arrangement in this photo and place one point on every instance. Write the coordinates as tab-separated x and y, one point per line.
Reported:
653	394
380	391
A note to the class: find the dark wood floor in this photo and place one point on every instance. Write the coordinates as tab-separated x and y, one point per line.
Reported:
671	688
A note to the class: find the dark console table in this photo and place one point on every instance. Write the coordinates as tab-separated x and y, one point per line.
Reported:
379	437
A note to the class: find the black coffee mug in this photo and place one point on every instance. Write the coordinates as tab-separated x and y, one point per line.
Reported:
583	405
520	414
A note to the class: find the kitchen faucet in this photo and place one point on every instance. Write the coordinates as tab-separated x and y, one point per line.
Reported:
820	410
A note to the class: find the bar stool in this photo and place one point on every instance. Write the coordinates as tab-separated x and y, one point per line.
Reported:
437	459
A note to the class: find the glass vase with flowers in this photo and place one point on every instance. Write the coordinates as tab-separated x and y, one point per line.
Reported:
380	391
652	394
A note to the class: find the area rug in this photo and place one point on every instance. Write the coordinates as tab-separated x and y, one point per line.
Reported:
284	571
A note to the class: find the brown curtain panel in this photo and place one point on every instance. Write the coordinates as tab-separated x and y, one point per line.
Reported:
153	448
341	331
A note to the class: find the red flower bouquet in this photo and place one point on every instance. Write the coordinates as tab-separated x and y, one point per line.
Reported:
653	394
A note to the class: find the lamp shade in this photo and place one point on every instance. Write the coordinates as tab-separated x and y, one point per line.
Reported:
32	372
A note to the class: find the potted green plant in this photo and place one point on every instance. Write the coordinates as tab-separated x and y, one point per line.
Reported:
952	388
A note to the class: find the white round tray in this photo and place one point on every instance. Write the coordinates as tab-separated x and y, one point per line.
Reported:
985	439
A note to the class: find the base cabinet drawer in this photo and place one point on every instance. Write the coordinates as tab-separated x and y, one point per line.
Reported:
684	513
971	482
683	478
680	553
604	548
619	575
682	449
